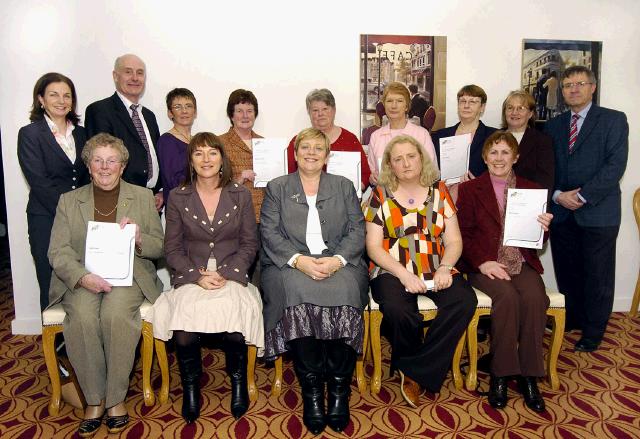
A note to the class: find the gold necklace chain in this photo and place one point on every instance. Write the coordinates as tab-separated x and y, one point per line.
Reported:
188	139
108	213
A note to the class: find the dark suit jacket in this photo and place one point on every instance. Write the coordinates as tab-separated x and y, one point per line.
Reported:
419	106
536	161
596	166
190	238
47	168
476	164
481	225
111	116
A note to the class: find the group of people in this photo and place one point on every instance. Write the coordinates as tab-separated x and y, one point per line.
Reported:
288	268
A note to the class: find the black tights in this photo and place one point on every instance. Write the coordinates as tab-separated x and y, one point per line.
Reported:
185	338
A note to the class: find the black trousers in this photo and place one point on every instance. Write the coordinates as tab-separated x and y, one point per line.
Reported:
39	229
425	361
584	260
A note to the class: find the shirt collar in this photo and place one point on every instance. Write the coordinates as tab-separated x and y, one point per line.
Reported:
54	128
583	113
127	103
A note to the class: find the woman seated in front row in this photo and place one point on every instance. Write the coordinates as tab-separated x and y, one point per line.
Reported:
314	279
210	243
412	238
102	326
509	275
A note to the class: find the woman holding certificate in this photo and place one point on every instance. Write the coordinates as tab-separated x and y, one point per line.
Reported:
471	104
102	326
209	245
414	242
509	275
314	279
536	161
397	103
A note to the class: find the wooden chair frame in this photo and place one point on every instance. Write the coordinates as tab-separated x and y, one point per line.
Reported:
636	295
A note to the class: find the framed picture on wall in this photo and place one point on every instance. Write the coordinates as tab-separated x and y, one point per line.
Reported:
544	62
419	62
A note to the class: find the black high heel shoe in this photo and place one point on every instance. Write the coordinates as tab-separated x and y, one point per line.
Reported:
89	427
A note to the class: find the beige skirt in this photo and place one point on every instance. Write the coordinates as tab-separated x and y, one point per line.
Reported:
232	308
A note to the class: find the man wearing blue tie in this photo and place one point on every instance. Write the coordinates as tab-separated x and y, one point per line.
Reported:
591	146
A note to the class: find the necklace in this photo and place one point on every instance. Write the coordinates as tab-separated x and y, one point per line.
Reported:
178	133
108	213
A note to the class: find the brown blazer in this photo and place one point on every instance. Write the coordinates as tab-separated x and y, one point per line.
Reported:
190	239
536	162
69	236
481	225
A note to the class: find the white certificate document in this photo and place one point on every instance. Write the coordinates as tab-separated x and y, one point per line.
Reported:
109	252
454	157
430	284
347	164
269	159
521	226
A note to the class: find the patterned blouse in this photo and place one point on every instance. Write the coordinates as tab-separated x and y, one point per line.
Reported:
412	237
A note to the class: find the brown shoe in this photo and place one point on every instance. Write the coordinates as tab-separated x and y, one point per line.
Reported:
410	390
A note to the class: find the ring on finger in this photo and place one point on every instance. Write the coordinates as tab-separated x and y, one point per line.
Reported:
313	277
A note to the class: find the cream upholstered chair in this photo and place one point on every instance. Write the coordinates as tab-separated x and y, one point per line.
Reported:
429	310
636	296
557	313
276	386
52	320
161	355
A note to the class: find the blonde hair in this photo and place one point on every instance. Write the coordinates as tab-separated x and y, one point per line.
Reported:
428	174
312	133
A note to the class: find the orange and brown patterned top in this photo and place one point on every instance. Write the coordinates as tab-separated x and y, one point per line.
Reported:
412	237
241	158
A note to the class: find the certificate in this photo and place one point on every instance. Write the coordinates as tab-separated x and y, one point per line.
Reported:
521	226
454	157
109	252
429	283
269	159
347	164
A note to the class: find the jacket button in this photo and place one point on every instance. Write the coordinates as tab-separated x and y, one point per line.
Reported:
74	179
73	187
211	245
322	222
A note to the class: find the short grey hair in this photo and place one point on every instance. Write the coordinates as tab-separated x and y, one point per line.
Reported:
118	60
101	140
322	95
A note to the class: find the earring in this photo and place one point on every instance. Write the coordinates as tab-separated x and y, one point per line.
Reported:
220	171
42	106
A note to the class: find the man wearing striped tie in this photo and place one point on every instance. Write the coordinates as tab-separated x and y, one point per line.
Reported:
591	146
121	115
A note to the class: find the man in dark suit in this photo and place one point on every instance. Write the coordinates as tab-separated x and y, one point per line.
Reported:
591	146
122	116
419	104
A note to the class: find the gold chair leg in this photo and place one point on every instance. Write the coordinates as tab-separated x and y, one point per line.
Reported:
163	363
252	353
360	378
472	349
636	299
455	366
558	315
147	359
375	319
276	387
51	361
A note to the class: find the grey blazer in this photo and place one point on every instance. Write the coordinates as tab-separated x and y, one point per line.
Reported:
596	165
69	235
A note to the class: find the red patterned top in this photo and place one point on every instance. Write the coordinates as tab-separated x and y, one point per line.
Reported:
412	237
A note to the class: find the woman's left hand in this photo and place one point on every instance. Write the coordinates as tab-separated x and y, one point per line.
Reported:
330	263
442	279
545	220
126	220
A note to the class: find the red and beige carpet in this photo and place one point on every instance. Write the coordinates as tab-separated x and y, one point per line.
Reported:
599	398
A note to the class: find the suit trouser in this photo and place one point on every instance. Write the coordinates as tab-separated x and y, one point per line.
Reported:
518	318
584	260
425	361
101	332
39	229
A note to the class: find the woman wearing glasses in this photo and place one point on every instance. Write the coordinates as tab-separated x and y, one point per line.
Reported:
172	145
536	161
472	100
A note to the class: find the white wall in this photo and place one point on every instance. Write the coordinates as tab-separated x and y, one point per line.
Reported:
281	50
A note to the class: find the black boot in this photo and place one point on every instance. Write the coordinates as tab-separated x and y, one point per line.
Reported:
236	359
498	392
308	363
190	365
341	360
528	386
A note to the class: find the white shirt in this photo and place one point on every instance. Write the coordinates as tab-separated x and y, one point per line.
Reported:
314	230
154	159
65	140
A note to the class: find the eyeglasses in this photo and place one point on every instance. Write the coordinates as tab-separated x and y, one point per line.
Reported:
516	109
179	107
567	85
465	102
100	163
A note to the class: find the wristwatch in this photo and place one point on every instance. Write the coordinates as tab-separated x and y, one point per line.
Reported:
447	266
294	264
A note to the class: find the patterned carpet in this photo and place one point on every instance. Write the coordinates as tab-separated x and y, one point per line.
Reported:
599	398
